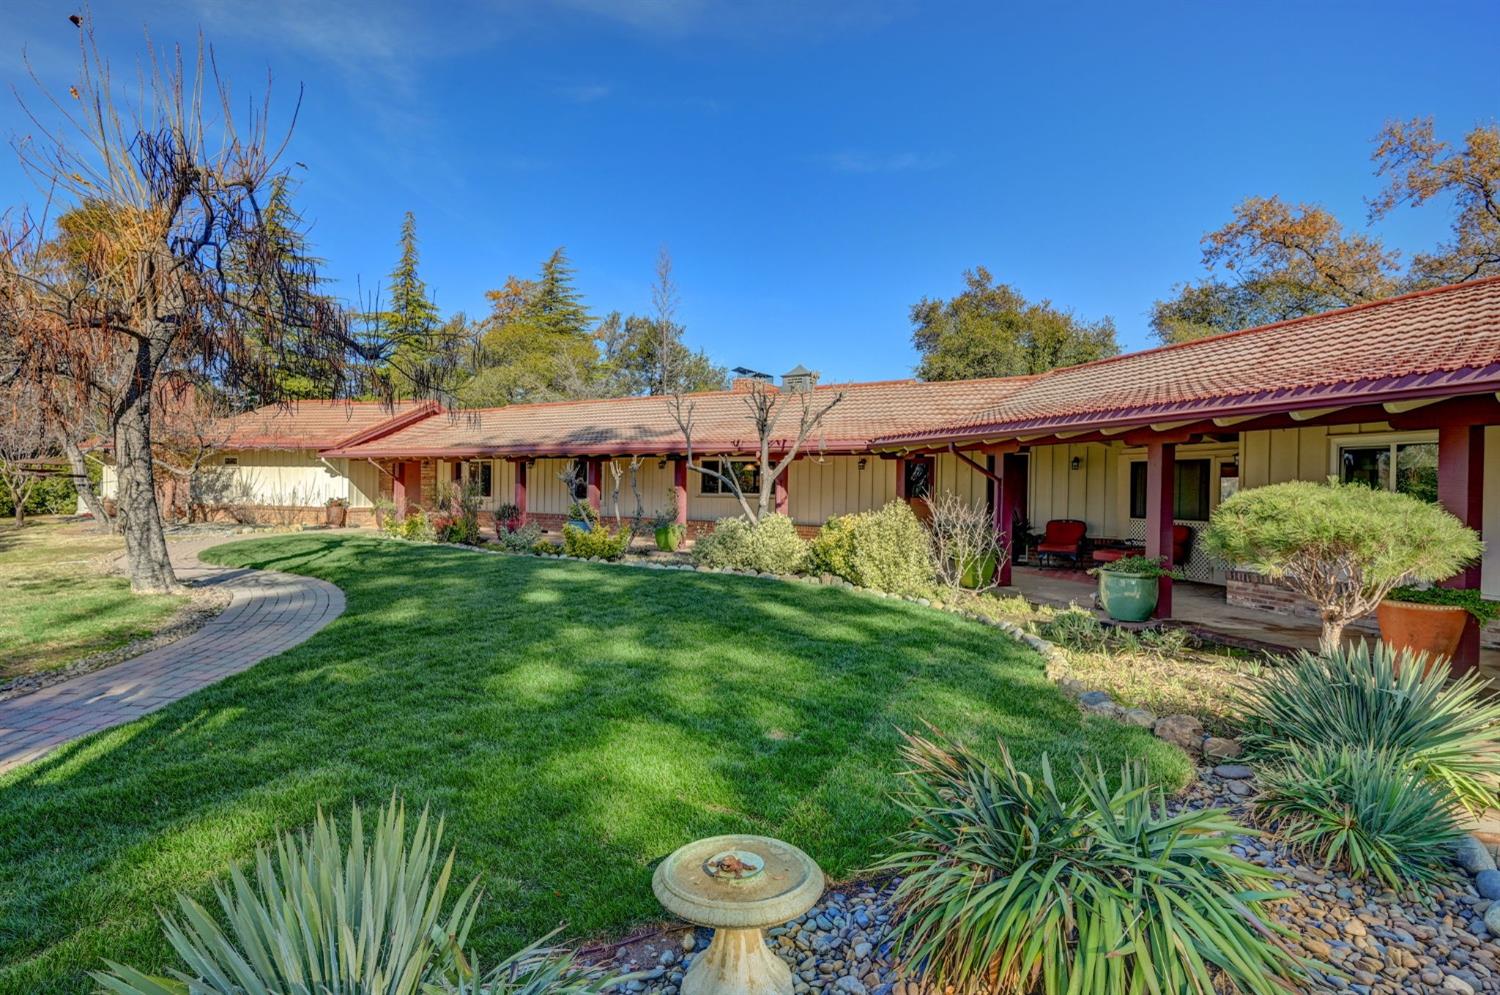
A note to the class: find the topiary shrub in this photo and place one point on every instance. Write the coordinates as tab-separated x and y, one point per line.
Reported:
1341	546
1008	886
1363	811
888	550
770	546
597	542
1371	698
317	916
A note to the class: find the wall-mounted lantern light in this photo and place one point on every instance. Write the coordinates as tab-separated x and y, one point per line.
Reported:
1077	463
863	462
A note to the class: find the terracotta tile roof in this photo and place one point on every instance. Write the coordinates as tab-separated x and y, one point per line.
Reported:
721	422
315	424
1429	343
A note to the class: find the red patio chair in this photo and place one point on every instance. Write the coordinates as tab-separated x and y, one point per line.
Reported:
1062	540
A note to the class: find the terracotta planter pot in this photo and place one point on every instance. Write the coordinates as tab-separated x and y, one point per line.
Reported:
1431	629
335	515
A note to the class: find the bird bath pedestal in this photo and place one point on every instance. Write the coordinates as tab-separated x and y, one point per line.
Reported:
738	885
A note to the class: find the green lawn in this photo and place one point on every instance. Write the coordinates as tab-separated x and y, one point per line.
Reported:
59	605
574	722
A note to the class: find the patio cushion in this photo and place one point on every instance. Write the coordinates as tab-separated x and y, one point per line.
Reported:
1063	535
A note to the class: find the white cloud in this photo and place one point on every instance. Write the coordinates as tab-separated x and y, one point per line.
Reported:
584	93
867	162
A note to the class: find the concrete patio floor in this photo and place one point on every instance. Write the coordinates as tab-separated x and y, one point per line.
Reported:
1202	607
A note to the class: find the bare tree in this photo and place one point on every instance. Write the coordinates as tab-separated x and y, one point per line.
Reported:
190	427
766	405
24	441
664	300
165	195
964	541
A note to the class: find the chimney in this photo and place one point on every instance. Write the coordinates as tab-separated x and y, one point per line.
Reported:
797	378
745	379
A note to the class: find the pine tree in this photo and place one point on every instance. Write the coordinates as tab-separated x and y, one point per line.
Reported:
411	323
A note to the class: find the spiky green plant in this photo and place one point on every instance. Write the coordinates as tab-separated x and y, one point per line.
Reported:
1369	697
536	970
1008	885
321	919
1364	811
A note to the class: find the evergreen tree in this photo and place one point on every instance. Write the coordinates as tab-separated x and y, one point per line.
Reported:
420	363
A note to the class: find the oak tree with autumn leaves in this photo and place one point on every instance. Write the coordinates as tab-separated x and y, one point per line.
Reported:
1276	260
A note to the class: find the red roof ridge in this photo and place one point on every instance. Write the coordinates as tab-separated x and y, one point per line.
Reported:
397	421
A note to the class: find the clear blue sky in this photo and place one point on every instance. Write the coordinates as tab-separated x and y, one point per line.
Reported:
815	167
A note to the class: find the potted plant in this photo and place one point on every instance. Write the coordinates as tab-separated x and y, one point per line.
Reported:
669	531
508	517
336	512
1430	620
582	516
1128	587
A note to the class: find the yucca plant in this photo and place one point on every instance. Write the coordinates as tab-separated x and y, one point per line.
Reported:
320	918
1008	885
1364	811
1369	697
536	970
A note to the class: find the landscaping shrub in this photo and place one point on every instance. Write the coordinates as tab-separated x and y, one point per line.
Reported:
831	551
1342	546
521	540
771	546
887	550
1368	697
596	542
318	916
1008	886
964	544
416	526
1364	811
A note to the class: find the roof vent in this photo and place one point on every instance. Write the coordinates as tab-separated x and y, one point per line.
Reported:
798	377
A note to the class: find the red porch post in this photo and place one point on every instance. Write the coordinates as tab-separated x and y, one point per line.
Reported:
783	501
1161	476
901	477
679	487
1007	500
398	488
521	489
594	474
1461	491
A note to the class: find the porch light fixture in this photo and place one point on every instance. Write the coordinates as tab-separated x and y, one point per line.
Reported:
863	462
1076	464
661	464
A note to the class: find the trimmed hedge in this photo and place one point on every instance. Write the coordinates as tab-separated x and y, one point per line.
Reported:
888	550
772	546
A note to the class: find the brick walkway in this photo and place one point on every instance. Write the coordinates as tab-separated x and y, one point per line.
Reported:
268	612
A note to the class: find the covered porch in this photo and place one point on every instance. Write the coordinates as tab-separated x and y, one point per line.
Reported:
1203	609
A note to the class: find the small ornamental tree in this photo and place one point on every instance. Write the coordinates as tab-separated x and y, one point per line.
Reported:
1342	546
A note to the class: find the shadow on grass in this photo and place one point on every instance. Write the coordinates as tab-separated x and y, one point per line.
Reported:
573	722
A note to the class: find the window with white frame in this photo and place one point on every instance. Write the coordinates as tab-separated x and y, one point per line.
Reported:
1407	465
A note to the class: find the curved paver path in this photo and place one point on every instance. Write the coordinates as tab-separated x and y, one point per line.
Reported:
267	612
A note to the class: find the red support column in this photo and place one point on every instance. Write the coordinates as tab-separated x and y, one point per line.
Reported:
1007	500
1161	478
783	501
901	477
594	475
679	488
521	489
1461	491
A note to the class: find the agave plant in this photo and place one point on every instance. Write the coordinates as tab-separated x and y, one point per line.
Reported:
320	918
1364	811
1008	885
1369	697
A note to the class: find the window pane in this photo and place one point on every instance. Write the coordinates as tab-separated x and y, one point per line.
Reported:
1138	490
918	479
1416	470
708	484
1190	490
486	479
1370	466
749	477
